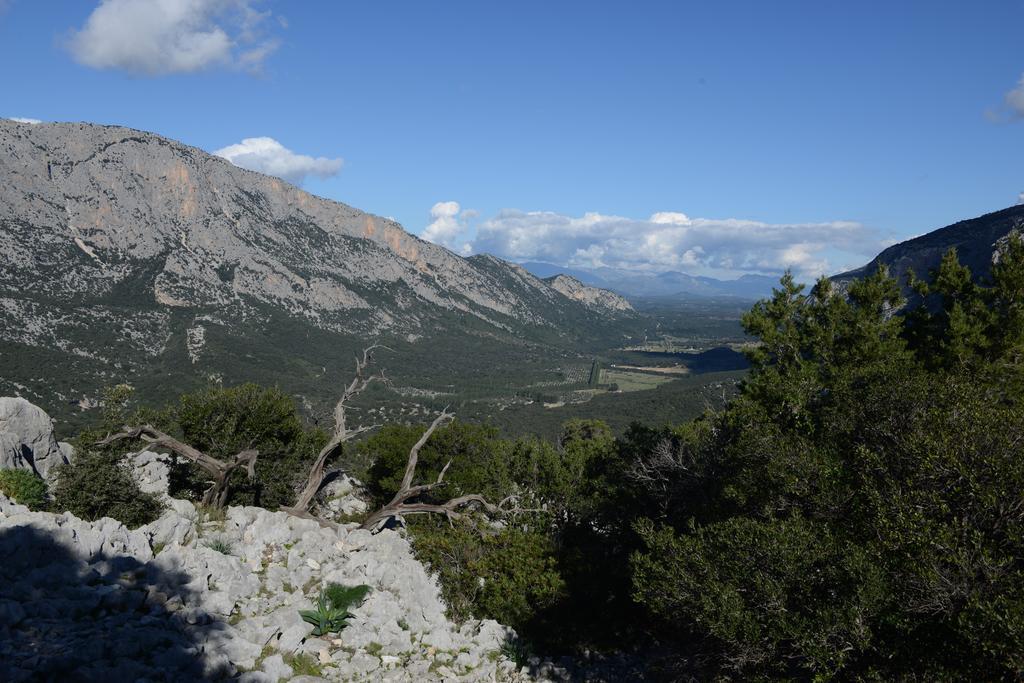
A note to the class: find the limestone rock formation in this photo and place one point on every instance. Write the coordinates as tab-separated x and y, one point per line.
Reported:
124	254
27	440
592	297
188	598
86	211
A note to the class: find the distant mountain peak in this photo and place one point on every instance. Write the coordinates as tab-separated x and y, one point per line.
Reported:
666	284
593	297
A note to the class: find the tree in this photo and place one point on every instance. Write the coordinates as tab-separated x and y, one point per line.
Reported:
216	495
857	511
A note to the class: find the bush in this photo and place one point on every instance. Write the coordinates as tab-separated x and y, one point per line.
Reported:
222	422
514	573
509	575
481	462
24	487
98	484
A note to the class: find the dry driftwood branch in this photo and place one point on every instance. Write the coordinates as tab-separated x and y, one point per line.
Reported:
341	433
399	505
217	495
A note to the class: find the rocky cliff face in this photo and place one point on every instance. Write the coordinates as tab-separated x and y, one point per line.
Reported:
592	297
126	256
86	210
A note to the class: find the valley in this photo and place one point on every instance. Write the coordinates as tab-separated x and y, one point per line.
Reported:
486	376
134	259
527	342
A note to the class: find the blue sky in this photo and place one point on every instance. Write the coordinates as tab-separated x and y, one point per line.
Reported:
715	138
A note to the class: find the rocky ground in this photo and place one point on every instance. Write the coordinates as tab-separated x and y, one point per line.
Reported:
216	595
187	597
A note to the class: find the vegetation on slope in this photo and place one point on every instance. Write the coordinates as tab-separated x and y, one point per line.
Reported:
855	511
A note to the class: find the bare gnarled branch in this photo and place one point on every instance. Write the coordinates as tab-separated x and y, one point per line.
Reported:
217	495
455	508
339	435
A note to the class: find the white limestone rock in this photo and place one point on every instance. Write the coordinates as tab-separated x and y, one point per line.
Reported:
151	470
27	440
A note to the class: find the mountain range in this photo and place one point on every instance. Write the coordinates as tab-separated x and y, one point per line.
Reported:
635	284
129	256
975	240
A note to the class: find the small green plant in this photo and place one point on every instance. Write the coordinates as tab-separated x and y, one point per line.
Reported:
220	545
24	487
332	607
303	664
516	649
209	514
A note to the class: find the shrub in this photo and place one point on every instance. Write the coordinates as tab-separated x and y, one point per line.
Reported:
508	575
220	545
513	573
24	487
98	484
222	421
475	452
332	607
856	508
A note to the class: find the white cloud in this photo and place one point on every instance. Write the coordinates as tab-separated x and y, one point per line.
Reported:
1020	198
673	241
155	37
269	156
449	227
1015	99
22	119
670	218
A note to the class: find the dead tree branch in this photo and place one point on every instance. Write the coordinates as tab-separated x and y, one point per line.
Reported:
341	433
453	509
217	495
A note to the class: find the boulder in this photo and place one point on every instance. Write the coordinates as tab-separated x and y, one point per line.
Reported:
151	470
11	455
341	496
27	440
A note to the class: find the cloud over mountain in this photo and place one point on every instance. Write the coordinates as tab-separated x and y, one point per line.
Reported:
157	37
267	155
664	241
449	225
